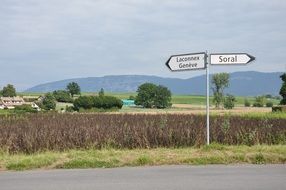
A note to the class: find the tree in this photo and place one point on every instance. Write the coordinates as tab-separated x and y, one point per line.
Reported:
229	101
283	89
151	95
219	82
101	92
146	94
73	88
49	102
8	91
162	97
62	96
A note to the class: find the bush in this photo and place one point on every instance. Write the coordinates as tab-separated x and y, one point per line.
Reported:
70	109
247	103
26	108
108	102
100	102
269	104
279	109
229	101
62	96
259	101
85	102
49	102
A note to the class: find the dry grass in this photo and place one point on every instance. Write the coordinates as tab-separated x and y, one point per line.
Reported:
106	158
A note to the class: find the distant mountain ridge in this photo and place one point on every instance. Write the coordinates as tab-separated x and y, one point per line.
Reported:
250	83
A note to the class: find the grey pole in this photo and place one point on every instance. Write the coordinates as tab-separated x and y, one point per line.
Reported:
208	100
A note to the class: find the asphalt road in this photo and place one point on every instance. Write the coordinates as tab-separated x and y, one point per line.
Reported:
268	177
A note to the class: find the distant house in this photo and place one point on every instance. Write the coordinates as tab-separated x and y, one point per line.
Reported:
1	105
35	106
11	102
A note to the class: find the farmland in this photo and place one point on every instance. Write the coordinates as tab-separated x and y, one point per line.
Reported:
181	104
135	136
55	140
56	132
176	99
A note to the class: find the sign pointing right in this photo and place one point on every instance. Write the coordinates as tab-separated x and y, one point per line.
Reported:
231	59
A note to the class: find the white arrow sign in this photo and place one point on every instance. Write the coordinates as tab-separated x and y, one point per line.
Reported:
183	62
231	59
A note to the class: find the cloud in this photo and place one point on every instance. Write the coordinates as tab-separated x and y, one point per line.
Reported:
59	39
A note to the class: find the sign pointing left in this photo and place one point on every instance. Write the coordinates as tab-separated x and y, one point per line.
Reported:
184	62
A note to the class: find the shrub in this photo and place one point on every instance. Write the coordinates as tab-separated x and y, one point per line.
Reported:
49	102
259	101
100	102
62	96
108	102
229	101
269	104
85	102
26	108
70	109
247	103
279	108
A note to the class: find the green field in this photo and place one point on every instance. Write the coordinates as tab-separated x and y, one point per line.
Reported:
176	99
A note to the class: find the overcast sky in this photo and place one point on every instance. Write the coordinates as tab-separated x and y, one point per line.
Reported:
48	40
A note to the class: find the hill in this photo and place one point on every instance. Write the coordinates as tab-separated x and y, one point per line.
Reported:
248	83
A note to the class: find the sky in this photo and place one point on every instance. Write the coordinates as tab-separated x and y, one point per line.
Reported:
43	41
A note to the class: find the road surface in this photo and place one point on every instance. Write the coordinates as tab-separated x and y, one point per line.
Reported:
152	178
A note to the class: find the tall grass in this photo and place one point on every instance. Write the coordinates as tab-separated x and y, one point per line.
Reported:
41	132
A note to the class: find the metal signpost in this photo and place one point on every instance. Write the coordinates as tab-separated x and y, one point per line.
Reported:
199	61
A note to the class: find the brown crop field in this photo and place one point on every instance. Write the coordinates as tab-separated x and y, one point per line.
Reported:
41	132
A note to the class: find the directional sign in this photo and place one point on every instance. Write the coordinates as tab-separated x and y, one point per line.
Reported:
231	58
183	62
